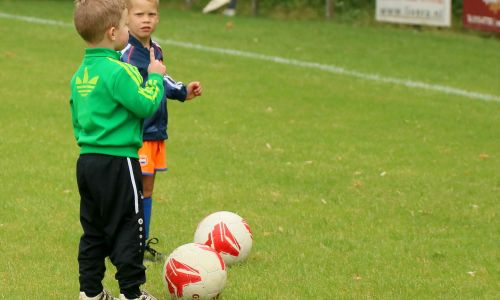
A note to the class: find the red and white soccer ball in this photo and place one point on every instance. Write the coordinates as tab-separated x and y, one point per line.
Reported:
194	271
228	233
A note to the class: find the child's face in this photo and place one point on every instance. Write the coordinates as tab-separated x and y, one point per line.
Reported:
143	18
121	33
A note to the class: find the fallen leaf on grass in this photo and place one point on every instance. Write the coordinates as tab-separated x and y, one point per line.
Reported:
358	184
484	156
10	54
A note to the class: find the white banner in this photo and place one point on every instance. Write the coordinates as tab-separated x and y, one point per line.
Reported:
420	12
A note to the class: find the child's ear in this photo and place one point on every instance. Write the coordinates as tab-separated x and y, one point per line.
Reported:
111	33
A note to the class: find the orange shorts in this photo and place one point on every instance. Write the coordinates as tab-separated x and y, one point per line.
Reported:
153	157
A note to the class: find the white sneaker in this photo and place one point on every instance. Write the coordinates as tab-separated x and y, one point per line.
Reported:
145	296
229	12
104	295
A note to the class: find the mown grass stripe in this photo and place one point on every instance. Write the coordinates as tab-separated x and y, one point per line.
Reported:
294	62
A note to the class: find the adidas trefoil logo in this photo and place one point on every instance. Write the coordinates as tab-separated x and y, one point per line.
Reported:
85	86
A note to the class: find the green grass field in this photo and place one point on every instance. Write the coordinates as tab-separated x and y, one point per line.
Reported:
354	189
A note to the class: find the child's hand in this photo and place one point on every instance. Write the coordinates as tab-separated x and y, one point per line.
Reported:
155	66
193	90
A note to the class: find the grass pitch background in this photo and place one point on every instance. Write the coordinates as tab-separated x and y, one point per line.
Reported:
353	189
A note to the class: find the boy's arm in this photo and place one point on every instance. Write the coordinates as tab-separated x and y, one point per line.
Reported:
141	101
194	89
174	90
76	125
180	91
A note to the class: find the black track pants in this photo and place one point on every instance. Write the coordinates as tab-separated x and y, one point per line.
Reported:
111	214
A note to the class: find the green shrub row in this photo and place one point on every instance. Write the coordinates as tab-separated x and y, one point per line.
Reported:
339	5
347	10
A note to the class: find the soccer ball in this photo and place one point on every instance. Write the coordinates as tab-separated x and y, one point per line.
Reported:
228	234
194	271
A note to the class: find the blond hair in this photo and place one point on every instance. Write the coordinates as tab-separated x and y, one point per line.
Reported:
157	2
93	17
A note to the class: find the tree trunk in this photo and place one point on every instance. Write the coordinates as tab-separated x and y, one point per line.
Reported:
255	7
329	9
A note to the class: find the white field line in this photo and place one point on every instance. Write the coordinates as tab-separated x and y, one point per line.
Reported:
293	62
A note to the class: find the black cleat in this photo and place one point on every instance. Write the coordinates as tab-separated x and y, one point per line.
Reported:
151	254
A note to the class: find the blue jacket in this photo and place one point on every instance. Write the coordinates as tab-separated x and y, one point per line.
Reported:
155	127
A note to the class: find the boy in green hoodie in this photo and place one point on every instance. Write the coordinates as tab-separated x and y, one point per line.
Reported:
108	104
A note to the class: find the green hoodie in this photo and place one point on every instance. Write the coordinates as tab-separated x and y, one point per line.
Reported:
108	103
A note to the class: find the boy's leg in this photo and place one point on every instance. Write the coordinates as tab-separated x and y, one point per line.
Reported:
127	250
93	248
147	159
148	183
115	212
230	11
91	263
153	159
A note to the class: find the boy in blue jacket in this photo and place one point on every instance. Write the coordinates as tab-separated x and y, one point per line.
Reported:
143	19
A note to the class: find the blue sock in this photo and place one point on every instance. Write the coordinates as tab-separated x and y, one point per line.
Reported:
148	204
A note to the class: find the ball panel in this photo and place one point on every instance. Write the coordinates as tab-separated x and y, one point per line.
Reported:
194	271
228	234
